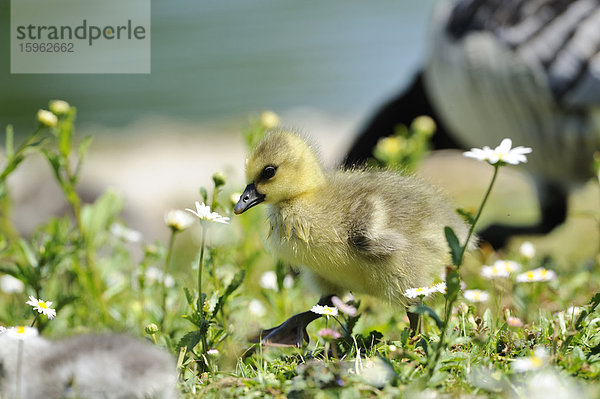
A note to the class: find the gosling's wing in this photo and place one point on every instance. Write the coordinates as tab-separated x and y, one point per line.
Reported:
560	37
369	224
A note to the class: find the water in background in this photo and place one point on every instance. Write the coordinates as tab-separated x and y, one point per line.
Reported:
214	60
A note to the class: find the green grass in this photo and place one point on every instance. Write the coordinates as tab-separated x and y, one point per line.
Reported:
99	282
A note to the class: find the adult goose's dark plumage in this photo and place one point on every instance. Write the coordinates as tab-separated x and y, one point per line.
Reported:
524	69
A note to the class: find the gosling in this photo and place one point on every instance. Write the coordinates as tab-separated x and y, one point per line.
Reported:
372	232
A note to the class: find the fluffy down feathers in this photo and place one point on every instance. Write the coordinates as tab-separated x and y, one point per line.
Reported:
372	232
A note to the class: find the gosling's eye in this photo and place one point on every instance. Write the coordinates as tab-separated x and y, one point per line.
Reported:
268	172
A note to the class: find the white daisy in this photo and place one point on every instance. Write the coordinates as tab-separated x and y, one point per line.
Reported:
11	285
2	330
256	308
527	249
42	307
125	233
268	280
502	154
439	287
476	295
21	332
324	310
509	265
178	220
533	362
491	272
539	274
419	292
204	213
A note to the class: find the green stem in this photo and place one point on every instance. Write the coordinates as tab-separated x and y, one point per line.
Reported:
450	303
200	300
18	153
35	319
166	271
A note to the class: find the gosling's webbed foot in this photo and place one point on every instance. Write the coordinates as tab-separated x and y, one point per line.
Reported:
291	332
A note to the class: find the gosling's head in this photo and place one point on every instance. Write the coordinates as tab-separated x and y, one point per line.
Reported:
280	168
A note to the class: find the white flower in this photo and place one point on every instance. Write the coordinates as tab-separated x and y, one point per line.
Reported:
539	274
324	310
269	119
154	274
42	307
439	287
502	154
212	352
47	118
571	313
124	233
2	330
10	284
59	107
204	214
533	362
256	308
288	281
268	280
527	249
21	332
509	265
500	268
343	306
418	292
476	295
178	220
491	272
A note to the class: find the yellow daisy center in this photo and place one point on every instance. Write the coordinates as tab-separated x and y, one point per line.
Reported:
42	304
21	329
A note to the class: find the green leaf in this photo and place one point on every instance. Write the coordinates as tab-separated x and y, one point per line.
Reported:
426	310
9	143
191	339
204	194
97	217
213	305
28	253
466	215
190	298
236	281
454	244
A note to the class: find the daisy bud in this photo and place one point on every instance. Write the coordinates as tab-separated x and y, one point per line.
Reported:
424	124
59	107
47	118
151	329
269	119
218	179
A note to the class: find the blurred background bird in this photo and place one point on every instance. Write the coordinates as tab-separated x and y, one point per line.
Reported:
87	366
374	232
524	69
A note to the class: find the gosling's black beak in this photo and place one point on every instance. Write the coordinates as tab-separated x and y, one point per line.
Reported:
249	198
